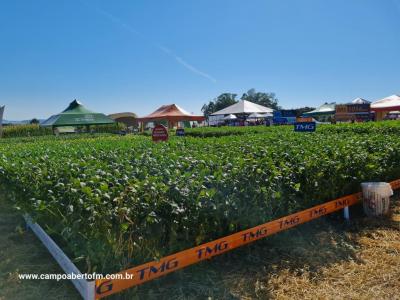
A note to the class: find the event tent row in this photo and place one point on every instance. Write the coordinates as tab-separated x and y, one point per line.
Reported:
329	108
78	115
380	107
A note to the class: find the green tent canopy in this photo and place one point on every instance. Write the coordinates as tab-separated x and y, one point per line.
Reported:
77	115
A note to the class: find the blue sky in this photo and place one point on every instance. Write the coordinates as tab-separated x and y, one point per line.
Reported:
137	55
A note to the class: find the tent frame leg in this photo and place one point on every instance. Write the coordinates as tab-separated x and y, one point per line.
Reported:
346	213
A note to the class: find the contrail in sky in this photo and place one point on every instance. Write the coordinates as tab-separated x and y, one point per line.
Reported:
397	3
162	48
185	63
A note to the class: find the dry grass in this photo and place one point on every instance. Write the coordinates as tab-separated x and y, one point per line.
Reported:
324	259
373	272
22	252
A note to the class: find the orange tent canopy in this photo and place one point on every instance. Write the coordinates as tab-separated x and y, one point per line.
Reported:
172	113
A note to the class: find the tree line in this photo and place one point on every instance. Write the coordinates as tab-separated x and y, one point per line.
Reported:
265	99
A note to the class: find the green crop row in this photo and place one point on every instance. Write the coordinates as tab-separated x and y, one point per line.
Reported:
32	130
370	127
229	130
25	131
383	127
205	132
114	202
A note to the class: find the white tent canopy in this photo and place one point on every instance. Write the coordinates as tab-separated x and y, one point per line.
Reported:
360	101
324	109
388	103
243	107
230	117
259	115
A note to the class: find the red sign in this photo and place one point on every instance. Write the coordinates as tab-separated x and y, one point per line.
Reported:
159	133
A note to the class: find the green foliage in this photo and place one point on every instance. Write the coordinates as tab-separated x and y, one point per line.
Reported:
36	130
384	127
114	202
229	130
264	99
25	130
108	128
301	110
222	101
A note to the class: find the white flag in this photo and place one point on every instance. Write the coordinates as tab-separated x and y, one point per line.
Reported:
1	120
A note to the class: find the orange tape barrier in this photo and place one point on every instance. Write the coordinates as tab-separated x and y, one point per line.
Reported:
174	262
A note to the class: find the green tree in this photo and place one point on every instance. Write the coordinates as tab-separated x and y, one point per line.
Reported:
222	101
301	110
264	99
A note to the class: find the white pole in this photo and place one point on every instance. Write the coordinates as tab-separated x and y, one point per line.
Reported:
1	120
346	213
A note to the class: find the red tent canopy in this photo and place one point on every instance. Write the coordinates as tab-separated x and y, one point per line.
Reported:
171	113
386	104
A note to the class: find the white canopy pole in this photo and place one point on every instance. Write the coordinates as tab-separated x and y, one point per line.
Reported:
1	120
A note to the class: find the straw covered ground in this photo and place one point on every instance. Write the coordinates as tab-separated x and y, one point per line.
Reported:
324	259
